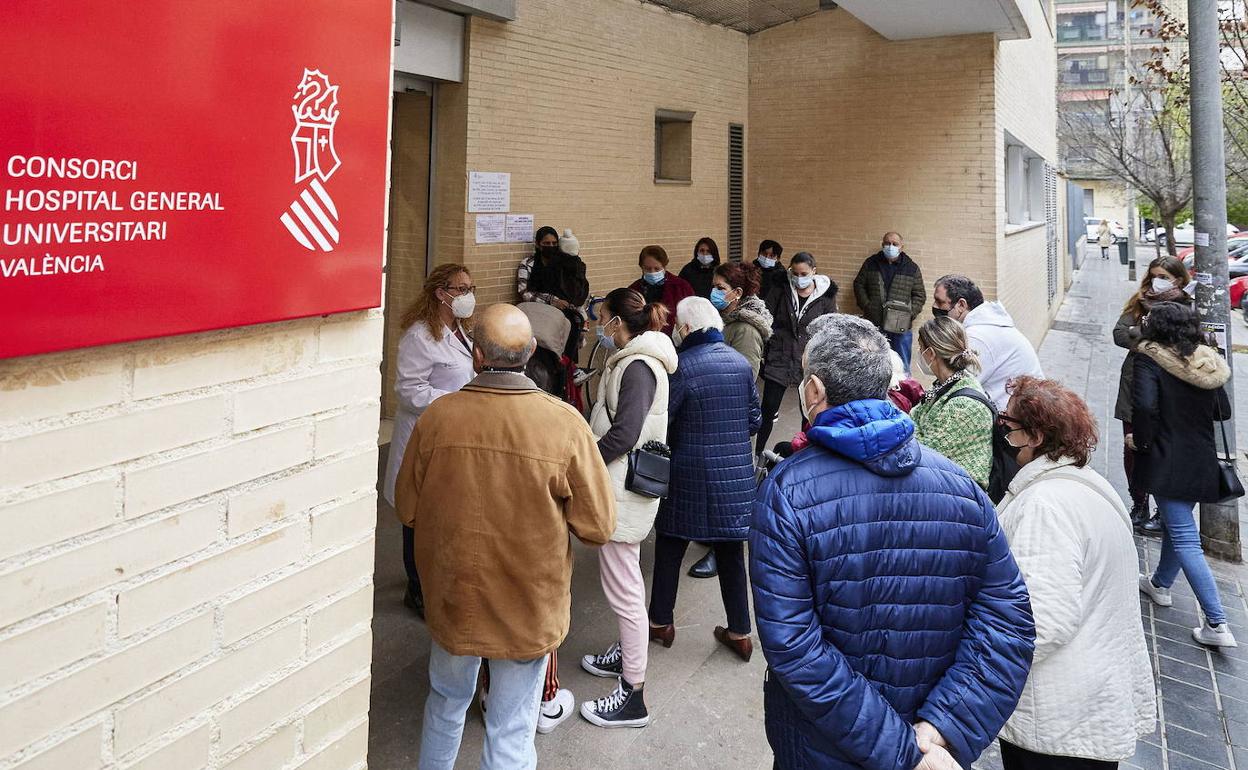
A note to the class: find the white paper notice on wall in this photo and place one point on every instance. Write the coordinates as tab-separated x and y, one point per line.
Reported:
491	228
1202	239
489	191
1218	332
519	228
1204	278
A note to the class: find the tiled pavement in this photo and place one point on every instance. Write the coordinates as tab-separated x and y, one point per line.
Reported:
1203	694
707	706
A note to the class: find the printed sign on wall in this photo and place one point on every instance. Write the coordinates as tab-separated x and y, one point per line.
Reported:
171	167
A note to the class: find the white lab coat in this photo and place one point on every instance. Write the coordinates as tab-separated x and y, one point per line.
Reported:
428	369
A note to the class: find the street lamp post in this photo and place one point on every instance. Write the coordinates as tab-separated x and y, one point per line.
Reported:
1219	522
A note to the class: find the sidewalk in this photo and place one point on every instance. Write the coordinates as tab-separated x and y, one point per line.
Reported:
706	706
1203	694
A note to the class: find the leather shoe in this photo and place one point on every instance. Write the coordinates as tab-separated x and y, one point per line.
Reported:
1152	527
415	601
744	648
664	635
705	567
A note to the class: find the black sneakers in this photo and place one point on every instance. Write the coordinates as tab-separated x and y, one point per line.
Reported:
624	707
610	664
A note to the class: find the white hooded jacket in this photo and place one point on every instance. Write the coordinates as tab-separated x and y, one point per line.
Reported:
1003	350
1090	690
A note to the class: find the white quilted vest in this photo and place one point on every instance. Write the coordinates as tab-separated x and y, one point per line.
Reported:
635	514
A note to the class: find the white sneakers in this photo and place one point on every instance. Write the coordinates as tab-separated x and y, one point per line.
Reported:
1210	636
1160	596
1214	636
555	711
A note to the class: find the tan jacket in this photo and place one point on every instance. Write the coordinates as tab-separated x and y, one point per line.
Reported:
494	479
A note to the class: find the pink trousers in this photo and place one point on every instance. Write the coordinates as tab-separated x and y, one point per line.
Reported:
619	565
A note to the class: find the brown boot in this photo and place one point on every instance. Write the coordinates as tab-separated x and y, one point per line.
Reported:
744	648
664	635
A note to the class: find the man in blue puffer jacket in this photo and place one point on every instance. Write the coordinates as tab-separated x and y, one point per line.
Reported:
890	610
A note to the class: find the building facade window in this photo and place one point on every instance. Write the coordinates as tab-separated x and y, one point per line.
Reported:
673	146
1025	174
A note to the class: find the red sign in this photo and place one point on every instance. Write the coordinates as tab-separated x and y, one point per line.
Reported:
171	167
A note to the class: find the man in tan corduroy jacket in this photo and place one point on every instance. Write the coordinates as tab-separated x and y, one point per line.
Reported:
494	480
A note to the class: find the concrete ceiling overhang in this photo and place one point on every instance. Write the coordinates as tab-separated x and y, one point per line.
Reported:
893	19
910	19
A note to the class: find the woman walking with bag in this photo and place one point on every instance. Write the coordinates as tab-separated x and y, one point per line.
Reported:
630	411
1166	281
1178	395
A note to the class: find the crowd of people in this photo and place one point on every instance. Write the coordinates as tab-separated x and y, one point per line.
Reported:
932	565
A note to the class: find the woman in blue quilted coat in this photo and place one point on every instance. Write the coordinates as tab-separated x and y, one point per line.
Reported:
896	626
712	410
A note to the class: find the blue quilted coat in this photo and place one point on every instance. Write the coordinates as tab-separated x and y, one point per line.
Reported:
885	594
712	410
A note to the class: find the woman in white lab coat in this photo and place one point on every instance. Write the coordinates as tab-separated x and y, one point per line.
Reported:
435	358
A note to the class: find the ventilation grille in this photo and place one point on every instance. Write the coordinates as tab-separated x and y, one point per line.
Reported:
1050	227
736	191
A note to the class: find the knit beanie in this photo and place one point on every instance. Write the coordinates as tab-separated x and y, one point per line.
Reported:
568	244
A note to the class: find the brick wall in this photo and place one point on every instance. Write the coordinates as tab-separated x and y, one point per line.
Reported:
564	99
188	550
851	135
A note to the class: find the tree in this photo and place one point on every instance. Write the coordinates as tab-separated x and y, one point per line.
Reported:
1139	136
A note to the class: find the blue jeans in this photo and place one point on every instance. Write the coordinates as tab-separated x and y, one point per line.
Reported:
1180	550
901	343
510	720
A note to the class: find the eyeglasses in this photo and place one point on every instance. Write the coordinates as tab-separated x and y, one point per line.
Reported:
459	290
1004	420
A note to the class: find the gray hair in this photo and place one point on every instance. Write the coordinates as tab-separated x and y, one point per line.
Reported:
850	357
500	356
698	313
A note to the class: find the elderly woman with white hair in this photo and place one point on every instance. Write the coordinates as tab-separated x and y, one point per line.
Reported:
713	409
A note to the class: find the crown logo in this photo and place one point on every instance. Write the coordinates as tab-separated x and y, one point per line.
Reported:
316	99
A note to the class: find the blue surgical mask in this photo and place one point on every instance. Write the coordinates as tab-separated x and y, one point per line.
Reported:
891	251
719	298
766	263
706	259
607	340
802	281
654	279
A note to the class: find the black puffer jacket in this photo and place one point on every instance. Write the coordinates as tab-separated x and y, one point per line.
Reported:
1176	401
782	362
699	277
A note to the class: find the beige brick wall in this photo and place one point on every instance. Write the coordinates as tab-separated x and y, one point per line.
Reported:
1025	73
564	99
187	560
851	135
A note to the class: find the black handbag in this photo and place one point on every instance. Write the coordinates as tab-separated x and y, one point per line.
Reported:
649	470
1229	485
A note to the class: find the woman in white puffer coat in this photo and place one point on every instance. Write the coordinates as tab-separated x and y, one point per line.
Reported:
630	411
1090	692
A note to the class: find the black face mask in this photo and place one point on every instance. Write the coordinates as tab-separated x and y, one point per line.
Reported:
1010	449
549	251
939	312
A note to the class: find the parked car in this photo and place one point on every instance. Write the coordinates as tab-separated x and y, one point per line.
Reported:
1239	295
1236	250
1093	225
1232	241
1184	233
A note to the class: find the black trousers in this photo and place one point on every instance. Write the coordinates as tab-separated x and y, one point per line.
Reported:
1015	758
773	396
409	562
734	588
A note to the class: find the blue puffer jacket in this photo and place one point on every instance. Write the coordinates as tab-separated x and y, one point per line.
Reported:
885	594
712	410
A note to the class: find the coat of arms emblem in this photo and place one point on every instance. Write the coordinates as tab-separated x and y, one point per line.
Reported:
312	218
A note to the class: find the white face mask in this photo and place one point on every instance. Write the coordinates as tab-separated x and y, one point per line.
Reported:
464	305
766	263
1162	285
706	259
924	366
802	281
